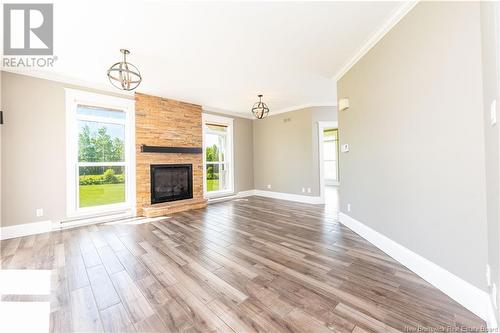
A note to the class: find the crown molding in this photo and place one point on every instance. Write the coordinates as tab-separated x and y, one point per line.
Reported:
300	107
273	112
70	81
228	112
396	16
106	88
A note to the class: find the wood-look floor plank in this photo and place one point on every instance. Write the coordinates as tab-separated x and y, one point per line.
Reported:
230	317
110	260
115	319
133	300
104	292
84	313
203	318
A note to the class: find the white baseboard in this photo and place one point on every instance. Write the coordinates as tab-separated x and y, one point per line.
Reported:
231	196
83	221
274	195
25	229
243	194
469	296
290	197
330	182
222	198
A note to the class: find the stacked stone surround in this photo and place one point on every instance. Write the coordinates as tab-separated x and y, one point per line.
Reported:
169	123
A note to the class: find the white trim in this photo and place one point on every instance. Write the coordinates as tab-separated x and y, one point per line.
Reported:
275	195
269	194
25	229
73	98
229	122
245	115
74	223
104	120
396	16
289	197
231	196
300	107
322	182
469	296
222	198
51	76
243	194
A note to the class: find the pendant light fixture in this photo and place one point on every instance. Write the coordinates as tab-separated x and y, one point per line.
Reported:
123	75
260	109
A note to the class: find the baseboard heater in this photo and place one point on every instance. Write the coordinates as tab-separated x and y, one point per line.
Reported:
159	149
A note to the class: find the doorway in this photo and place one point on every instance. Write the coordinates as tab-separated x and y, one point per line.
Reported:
328	143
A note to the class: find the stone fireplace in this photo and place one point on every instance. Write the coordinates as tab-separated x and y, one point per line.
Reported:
165	124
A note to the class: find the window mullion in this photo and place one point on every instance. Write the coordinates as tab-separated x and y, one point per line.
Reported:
91	164
98	119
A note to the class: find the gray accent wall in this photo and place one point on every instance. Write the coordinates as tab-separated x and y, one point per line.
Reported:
286	150
33	149
243	154
33	145
416	167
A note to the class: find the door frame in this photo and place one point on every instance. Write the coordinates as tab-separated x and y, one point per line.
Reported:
322	125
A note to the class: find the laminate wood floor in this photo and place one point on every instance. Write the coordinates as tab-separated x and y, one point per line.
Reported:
247	265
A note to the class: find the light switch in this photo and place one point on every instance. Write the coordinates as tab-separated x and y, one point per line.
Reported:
345	148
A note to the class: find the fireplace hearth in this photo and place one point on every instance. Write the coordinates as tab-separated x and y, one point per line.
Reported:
171	182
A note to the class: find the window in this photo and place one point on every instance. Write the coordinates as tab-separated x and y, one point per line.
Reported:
100	152
330	156
217	155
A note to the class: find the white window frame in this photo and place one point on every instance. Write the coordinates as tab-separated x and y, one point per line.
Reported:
225	121
78	97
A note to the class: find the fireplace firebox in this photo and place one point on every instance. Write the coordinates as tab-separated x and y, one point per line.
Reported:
170	182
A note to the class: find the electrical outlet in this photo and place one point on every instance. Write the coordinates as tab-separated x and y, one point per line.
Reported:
493	112
348	207
39	212
488	275
308	190
303	190
269	186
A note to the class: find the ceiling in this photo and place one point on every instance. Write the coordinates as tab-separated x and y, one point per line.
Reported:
218	54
